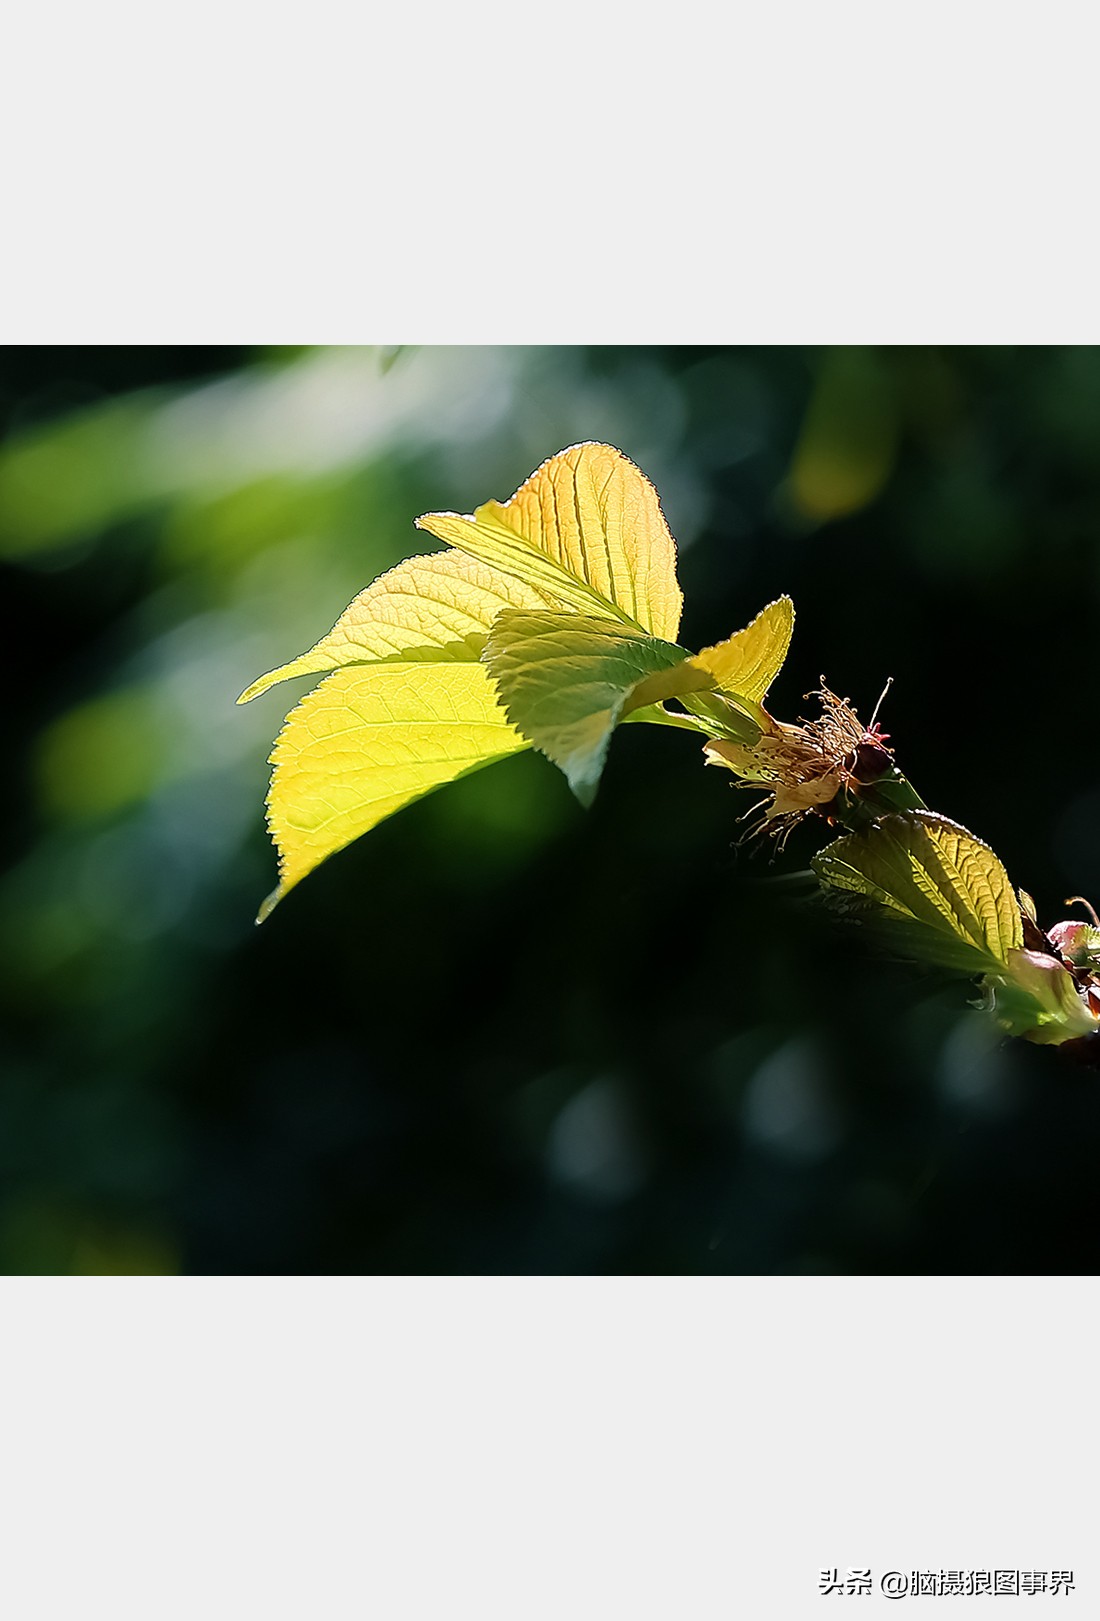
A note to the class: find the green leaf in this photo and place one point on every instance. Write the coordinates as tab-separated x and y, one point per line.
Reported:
369	741
567	679
587	529
437	607
1036	998
655	715
940	894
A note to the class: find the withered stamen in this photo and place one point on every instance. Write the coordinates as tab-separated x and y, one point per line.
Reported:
802	768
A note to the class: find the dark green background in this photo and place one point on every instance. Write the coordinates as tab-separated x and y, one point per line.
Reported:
501	1034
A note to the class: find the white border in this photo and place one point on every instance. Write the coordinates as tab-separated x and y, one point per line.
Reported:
536	1448
789	173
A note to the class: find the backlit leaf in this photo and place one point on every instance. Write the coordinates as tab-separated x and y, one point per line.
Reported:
586	528
941	894
742	668
437	607
569	589
567	679
747	663
368	741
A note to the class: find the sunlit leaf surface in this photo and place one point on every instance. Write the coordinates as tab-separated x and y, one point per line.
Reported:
942	894
430	608
569	591
587	528
369	741
747	663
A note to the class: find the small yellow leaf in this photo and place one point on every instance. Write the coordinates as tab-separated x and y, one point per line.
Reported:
742	668
586	528
437	607
747	663
368	741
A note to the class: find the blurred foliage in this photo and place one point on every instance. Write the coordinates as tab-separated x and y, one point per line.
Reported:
502	1034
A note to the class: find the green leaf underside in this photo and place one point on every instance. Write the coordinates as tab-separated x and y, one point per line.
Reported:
433	608
737	720
566	680
654	715
367	742
936	891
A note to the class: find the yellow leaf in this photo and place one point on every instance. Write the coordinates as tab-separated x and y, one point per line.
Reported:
436	607
368	741
747	663
742	668
586	528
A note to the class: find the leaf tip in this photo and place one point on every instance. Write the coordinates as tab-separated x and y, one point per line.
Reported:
425	521
584	790
264	683
270	904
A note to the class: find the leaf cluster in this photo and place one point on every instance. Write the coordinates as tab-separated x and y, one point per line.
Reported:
552	618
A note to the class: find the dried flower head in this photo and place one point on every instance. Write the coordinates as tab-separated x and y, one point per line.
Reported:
804	767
